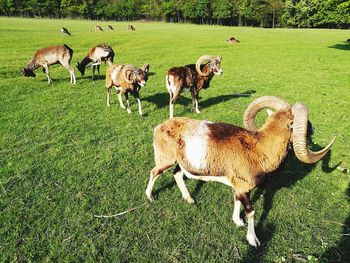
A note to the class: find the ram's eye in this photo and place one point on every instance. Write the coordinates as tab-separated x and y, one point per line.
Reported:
290	126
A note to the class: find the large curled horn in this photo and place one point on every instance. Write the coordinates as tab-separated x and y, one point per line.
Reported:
125	71
303	153
257	105
200	61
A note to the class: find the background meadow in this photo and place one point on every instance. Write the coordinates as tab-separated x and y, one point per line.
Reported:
65	157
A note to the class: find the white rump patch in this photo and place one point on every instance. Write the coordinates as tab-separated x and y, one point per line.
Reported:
196	146
169	79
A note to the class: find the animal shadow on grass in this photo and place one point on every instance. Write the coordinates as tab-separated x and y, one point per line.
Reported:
291	171
345	45
340	252
162	99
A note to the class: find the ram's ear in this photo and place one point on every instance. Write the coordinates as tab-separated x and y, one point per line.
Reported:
269	112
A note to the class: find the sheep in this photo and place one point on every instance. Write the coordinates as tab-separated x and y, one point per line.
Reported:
96	55
65	31
232	40
110	27
45	57
232	155
126	79
193	77
98	29
131	27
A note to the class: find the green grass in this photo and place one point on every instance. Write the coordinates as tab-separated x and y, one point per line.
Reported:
65	156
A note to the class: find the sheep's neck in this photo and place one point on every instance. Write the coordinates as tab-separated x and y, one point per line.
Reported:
274	148
85	62
33	65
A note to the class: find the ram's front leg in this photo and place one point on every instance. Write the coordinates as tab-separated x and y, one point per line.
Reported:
244	198
137	97
195	101
127	102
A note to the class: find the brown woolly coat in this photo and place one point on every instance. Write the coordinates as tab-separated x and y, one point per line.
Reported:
241	155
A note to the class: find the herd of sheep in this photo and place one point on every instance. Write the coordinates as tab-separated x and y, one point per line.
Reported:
204	150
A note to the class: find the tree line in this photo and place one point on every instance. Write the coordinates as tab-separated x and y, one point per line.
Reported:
263	13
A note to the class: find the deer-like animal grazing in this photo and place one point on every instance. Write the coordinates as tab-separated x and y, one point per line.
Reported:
48	56
126	79
232	40
193	77
131	27
96	55
98	29
65	31
232	155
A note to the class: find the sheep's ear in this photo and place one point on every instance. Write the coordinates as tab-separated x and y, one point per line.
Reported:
269	112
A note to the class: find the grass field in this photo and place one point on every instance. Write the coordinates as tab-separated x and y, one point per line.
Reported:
65	157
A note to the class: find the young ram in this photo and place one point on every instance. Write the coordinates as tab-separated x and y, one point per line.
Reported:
231	155
48	56
193	77
96	55
126	79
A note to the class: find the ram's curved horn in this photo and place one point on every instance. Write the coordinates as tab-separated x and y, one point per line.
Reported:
125	71
272	102
200	61
300	122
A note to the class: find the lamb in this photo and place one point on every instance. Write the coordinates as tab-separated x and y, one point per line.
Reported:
131	27
193	77
232	155
232	40
110	27
65	31
126	79
48	56
96	55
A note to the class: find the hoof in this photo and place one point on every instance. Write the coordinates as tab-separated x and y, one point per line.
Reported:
253	240
239	222
150	198
189	200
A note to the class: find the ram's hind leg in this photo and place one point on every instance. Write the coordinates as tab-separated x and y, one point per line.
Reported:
154	174
178	175
236	213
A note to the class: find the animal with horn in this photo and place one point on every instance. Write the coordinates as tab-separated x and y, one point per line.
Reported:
193	77
232	155
65	31
96	55
48	56
126	79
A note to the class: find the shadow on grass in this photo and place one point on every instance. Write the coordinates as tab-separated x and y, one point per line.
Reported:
340	252
291	171
345	45
162	99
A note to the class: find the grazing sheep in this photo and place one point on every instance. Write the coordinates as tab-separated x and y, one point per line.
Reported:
193	77
131	27
48	56
232	155
96	55
65	31
232	40
110	27
126	79
98	29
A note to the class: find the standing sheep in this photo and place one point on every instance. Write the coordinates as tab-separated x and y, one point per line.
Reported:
232	155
